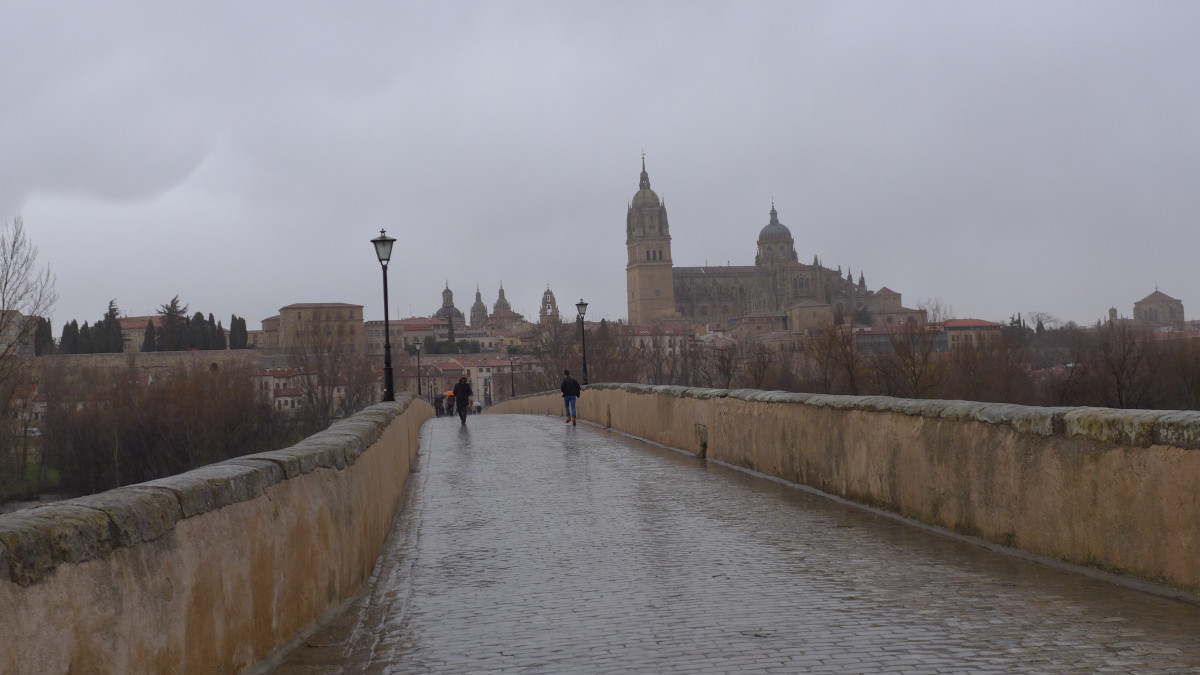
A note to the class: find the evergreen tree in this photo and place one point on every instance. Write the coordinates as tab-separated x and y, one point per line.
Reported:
85	340
237	332
69	342
219	337
116	337
215	339
43	338
198	327
106	336
149	344
173	326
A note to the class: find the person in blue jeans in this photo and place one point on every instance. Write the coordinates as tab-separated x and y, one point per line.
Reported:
570	392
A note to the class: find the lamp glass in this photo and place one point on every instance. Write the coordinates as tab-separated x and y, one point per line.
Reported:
383	246
581	306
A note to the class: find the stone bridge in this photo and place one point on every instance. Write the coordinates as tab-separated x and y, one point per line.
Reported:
755	532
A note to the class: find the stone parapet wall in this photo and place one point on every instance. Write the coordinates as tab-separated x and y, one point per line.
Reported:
1116	490
211	570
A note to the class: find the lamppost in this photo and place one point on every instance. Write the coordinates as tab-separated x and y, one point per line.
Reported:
383	249
582	307
512	378
417	346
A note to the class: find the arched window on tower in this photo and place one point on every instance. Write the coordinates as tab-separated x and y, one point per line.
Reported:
660	254
647	255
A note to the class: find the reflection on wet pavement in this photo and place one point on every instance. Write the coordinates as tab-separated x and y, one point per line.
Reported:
527	545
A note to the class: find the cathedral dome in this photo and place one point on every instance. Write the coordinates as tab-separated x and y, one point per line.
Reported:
775	230
645	196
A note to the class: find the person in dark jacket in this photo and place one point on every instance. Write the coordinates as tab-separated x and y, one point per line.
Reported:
570	392
462	399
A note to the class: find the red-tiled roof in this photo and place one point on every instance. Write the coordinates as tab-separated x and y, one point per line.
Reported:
970	323
319	305
137	322
1157	296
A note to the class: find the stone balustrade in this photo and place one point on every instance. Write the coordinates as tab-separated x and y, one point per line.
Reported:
1114	490
209	571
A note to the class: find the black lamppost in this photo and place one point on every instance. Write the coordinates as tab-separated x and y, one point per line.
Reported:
383	249
582	307
417	346
512	378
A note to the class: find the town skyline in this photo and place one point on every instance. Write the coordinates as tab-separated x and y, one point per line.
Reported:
997	157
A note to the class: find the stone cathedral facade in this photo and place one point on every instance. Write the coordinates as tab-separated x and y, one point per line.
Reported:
721	295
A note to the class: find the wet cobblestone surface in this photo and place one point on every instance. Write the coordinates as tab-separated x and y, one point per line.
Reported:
530	546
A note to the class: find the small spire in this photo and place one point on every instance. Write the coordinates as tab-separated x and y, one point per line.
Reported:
644	182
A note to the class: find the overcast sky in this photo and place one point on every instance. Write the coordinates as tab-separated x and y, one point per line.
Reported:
1001	157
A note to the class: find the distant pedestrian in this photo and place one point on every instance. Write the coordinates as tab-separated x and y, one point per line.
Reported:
570	391
462	398
478	407
450	406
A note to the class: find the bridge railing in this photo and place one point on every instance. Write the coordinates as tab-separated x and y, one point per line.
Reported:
211	570
1114	490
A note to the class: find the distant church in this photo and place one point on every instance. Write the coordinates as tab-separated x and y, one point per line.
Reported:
777	282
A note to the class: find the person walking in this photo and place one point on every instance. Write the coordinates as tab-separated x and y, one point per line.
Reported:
462	398
570	391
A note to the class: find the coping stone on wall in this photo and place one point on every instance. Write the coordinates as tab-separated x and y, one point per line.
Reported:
1179	428
287	462
1139	428
136	514
1123	427
40	538
33	542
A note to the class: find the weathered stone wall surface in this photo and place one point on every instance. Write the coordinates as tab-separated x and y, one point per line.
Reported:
1117	490
207	571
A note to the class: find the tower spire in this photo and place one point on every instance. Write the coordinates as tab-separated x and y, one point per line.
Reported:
644	183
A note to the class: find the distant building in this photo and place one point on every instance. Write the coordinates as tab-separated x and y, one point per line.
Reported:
965	333
1158	309
479	313
548	310
448	311
720	295
338	320
503	318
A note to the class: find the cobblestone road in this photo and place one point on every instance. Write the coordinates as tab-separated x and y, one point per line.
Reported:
529	546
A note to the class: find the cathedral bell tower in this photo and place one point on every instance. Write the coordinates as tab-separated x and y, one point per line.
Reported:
648	272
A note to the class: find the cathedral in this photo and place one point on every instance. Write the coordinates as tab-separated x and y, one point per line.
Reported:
721	295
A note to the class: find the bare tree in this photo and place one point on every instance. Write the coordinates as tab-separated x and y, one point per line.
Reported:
724	365
821	359
1125	366
655	357
693	366
1184	362
839	342
26	294
914	365
758	364
554	345
936	310
327	363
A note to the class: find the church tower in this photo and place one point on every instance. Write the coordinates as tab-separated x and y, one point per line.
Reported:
549	308
648	273
478	311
